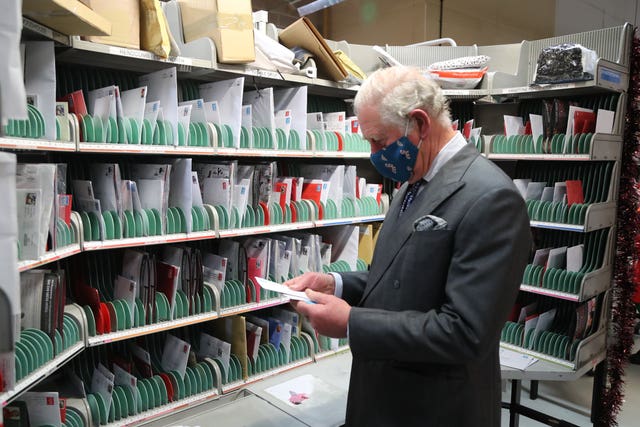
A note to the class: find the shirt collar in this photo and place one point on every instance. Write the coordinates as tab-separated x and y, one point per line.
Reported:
450	149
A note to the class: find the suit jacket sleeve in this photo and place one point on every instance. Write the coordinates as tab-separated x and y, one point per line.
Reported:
353	284
490	249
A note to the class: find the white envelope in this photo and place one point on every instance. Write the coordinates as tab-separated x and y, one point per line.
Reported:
557	258
184	118
559	191
315	121
131	267
263	110
575	257
13	99
175	355
162	86
196	196
537	128
197	110
604	121
115	103
217	191
228	93
102	385
283	121
294	100
513	125
107	185
43	408
241	196
148	198
211	111
345	241
40	80
126	289
350	181
215	348
151	111
521	185
230	249
247	122
40	176
336	122
133	106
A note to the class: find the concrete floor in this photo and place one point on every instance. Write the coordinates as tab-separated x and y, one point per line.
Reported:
571	401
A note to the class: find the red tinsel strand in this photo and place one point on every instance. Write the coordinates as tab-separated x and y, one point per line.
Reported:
626	277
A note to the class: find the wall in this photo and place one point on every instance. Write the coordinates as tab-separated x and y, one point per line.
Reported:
574	16
394	22
400	22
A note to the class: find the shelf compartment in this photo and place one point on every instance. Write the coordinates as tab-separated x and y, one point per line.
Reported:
184	321
592	284
41	373
603	147
609	76
598	216
590	351
563	285
61	253
163	410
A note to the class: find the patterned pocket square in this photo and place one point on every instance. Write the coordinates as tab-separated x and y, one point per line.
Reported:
429	222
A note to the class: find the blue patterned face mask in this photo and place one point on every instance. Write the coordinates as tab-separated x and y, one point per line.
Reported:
396	161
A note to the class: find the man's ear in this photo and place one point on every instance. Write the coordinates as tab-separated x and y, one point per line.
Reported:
423	122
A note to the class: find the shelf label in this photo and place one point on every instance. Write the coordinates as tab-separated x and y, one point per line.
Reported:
610	76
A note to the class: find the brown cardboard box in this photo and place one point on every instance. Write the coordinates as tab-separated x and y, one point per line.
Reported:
304	34
69	17
227	22
124	16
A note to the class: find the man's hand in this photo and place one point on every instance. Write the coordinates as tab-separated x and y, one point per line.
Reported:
318	282
329	315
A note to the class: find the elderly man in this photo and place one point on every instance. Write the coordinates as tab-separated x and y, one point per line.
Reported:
424	323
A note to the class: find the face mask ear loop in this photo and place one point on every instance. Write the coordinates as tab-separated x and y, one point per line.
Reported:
406	128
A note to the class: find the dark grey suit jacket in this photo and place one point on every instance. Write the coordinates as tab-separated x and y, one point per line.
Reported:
426	319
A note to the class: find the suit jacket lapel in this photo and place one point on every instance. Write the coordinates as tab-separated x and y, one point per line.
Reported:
396	230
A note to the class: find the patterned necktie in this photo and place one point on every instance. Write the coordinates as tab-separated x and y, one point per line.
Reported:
412	192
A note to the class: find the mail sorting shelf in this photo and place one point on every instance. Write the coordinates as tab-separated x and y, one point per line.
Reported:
75	327
146	62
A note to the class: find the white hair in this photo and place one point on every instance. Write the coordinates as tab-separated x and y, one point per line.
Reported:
399	90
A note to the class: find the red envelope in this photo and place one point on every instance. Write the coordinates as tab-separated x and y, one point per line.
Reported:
574	192
265	211
294	212
254	269
76	102
312	190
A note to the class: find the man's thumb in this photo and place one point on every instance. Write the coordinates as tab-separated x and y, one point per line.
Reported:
317	296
